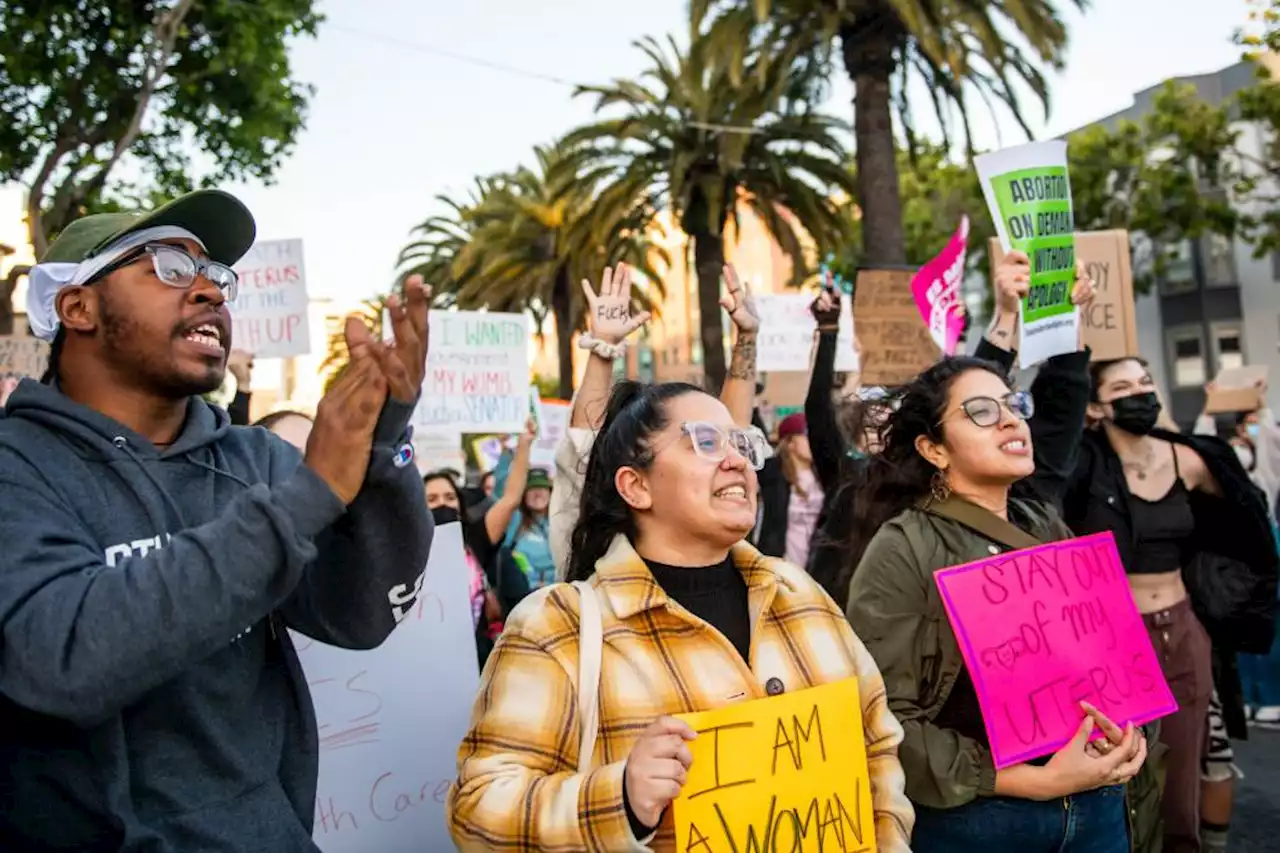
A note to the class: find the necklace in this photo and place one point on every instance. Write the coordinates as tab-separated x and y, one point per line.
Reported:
1139	467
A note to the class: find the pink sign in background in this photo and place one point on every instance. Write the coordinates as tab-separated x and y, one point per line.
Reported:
936	288
1044	629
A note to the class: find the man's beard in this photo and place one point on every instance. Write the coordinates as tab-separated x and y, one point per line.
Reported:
120	336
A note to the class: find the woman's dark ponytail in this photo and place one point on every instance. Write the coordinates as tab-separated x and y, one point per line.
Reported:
636	412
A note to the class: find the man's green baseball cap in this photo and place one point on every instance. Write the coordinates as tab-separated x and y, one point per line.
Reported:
218	219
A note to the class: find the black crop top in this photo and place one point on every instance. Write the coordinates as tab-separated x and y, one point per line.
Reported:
1161	528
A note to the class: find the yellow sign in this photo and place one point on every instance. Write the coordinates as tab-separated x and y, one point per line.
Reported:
784	773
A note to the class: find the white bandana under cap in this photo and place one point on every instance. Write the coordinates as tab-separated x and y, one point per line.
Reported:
46	281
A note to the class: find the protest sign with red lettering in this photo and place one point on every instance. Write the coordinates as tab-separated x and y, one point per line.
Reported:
390	719
269	316
936	288
477	378
1044	629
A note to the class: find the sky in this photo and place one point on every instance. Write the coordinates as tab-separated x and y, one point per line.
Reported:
397	118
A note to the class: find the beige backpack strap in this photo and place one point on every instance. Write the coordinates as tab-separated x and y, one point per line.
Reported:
590	652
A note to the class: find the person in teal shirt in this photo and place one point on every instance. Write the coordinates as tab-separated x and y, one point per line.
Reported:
530	534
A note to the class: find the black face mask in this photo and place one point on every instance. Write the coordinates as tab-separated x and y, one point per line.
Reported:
1138	414
444	515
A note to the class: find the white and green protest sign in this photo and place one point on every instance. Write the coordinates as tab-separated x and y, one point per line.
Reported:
1029	194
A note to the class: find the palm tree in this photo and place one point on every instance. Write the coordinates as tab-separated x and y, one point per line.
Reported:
524	240
953	45
706	130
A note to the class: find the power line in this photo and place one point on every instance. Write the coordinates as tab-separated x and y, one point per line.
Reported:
420	47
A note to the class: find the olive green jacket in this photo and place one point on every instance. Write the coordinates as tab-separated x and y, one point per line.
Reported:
895	609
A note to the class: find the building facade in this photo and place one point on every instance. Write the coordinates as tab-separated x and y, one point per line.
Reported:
1216	306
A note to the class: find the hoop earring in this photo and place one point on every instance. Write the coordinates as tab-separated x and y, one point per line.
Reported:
939	488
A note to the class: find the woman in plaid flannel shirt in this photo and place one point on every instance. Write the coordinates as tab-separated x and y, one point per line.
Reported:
694	619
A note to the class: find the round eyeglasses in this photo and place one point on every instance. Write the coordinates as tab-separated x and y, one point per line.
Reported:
985	411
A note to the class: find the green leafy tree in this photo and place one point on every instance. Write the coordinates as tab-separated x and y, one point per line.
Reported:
524	241
1169	177
105	104
706	129
956	47
1260	103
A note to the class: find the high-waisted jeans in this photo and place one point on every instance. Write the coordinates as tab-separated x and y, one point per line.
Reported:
1092	822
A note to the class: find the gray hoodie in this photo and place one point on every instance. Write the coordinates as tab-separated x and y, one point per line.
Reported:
150	697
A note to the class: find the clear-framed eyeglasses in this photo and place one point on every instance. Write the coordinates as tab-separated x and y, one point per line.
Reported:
177	268
712	442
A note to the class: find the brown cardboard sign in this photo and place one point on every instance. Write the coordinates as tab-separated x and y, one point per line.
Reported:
1237	390
20	356
1110	327
896	344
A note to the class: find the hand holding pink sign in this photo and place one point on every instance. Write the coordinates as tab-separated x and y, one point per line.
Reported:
1043	630
936	288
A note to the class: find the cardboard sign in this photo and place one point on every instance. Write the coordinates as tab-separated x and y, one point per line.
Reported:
21	356
896	344
1044	629
1109	323
270	316
390	720
784	773
477	376
1238	390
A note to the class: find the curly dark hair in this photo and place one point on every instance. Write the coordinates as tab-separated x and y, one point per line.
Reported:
636	412
898	476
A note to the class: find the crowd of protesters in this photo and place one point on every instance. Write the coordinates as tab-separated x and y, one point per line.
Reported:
156	549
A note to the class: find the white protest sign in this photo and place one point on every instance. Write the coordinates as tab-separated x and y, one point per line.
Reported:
1029	194
391	719
477	373
269	316
436	449
21	357
555	423
786	334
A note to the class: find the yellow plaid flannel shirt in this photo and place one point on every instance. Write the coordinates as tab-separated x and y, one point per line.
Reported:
518	787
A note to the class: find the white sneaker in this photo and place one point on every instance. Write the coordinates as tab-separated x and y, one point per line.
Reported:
1268	716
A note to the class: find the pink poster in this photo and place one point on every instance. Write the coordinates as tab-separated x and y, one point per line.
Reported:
1044	629
936	288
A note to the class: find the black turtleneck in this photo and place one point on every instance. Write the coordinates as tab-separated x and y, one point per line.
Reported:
715	594
718	596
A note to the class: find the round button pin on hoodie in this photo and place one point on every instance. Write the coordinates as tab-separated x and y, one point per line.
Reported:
404	455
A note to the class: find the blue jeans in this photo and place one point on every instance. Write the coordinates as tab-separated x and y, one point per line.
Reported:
1260	676
1093	822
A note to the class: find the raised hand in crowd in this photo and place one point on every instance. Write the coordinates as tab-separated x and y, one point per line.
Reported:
739	302
404	362
342	438
1012	281
657	768
826	309
609	317
739	390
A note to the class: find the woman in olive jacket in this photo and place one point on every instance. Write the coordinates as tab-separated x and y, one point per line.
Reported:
958	463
